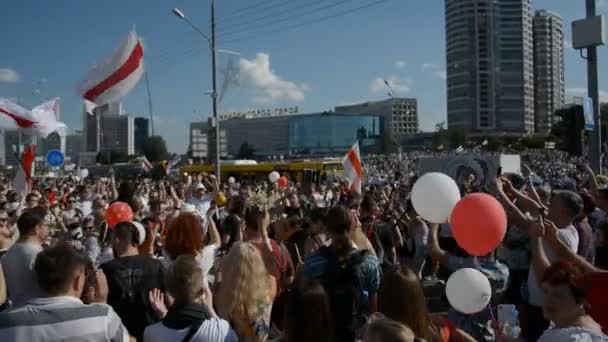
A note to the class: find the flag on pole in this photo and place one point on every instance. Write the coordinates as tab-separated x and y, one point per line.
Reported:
145	163
169	165
116	77
22	183
460	149
40	121
353	169
484	143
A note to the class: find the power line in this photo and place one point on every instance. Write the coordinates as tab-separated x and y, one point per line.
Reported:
259	5
294	26
266	15
197	49
294	16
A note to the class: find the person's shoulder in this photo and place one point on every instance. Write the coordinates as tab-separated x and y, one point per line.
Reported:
216	329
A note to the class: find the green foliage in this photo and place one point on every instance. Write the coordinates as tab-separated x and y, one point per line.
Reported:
155	149
111	157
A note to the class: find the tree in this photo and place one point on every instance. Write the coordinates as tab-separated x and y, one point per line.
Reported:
155	149
111	157
457	137
246	150
533	142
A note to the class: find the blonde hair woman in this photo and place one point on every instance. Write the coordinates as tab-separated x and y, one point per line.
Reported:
246	293
381	329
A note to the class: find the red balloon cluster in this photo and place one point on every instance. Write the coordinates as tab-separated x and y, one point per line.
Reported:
283	182
118	212
479	223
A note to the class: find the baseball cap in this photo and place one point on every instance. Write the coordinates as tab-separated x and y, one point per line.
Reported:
199	186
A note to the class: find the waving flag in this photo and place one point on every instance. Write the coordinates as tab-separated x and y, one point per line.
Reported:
109	81
23	179
40	121
353	170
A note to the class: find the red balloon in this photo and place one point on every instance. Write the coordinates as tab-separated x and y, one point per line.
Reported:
479	223
118	212
283	182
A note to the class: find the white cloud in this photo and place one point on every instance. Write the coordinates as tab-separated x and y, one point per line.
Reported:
441	73
400	64
581	92
8	75
398	84
429	66
568	44
435	70
267	86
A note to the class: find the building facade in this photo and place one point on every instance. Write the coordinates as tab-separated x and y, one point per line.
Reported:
202	141
489	64
549	75
400	115
108	130
141	133
74	145
283	135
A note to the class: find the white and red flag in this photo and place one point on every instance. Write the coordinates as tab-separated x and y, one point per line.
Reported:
40	121
145	163
353	168
109	81
22	183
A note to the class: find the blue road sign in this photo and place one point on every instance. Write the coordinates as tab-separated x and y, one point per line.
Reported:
55	158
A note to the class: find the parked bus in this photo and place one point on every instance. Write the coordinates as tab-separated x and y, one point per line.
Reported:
297	170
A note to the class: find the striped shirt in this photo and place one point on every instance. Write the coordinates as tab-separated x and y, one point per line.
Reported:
61	319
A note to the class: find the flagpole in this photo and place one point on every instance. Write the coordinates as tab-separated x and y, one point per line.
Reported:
149	103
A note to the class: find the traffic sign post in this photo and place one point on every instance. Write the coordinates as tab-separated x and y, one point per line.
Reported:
55	158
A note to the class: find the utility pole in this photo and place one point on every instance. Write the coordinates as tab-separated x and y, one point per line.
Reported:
593	89
218	165
149	103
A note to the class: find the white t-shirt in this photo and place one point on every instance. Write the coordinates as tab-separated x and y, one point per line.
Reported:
202	205
212	330
571	334
568	236
18	267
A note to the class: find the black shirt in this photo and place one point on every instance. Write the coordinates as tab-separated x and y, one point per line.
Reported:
130	279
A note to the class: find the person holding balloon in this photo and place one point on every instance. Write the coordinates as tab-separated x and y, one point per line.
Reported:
564	208
131	275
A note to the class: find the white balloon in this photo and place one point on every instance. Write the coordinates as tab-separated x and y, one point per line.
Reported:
83	173
468	291
273	177
231	180
434	196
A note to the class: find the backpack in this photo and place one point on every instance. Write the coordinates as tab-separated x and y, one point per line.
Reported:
349	307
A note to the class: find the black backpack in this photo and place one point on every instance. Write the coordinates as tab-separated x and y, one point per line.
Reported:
349	307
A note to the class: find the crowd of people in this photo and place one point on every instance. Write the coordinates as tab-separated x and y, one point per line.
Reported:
247	260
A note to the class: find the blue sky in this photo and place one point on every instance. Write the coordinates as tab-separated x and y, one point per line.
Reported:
48	46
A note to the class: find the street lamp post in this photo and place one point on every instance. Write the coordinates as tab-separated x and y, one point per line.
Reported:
211	42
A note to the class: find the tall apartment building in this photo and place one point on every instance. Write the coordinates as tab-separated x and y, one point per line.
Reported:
400	115
549	82
489	59
141	133
202	140
109	130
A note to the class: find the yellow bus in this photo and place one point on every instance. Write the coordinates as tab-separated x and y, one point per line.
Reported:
297	170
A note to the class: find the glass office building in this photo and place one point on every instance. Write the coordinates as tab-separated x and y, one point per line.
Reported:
330	133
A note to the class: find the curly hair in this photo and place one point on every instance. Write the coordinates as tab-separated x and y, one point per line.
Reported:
569	274
184	236
245	282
